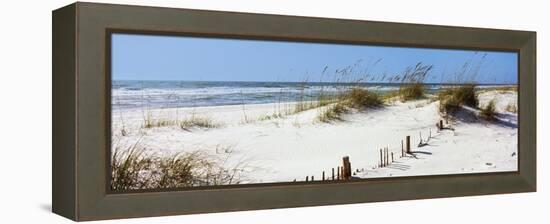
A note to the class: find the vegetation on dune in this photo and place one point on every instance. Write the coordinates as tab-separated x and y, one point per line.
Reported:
512	108
412	81
412	91
198	122
488	112
132	168
192	122
355	98
332	112
128	168
361	98
451	99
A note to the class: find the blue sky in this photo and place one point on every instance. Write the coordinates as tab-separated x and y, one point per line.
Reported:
149	57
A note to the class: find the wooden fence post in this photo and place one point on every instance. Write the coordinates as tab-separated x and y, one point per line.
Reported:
402	149
408	143
323	176
346	173
392	157
307	178
381	161
333	173
440	124
338	173
387	156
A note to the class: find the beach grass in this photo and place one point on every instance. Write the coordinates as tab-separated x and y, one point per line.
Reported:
512	108
355	98
132	168
332	112
413	91
451	99
488	112
198	122
128	168
361	98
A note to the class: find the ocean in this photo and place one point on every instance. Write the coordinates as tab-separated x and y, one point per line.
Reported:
132	94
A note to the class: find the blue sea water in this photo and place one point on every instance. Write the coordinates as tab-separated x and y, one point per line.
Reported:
131	94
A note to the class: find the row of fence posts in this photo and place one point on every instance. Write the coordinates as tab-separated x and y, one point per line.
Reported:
342	172
387	157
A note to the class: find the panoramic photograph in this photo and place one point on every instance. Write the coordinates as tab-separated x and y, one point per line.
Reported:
202	111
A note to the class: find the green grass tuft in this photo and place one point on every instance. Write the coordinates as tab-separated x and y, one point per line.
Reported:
198	122
361	98
452	99
488	112
413	91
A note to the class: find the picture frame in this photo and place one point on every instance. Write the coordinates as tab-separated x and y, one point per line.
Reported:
82	113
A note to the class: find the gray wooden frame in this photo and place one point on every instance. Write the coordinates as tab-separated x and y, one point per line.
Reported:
81	111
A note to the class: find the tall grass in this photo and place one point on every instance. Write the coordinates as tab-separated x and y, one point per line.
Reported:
412	82
132	168
451	99
332	112
354	98
412	91
129	168
198	122
512	108
488	112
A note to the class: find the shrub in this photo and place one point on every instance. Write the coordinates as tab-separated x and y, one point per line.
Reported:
412	92
362	98
132	168
512	108
129	168
333	112
200	122
488	112
453	98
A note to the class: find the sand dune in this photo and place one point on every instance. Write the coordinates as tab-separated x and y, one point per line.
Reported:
297	145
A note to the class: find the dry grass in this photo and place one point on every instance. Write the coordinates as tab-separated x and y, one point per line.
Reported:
413	91
270	117
452	99
129	168
501	89
361	98
332	112
132	168
355	98
512	108
198	122
488	112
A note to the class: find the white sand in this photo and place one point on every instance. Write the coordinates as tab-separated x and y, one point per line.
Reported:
293	147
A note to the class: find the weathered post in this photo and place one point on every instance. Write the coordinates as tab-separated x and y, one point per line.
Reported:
388	155
338	173
349	170
333	173
307	178
385	157
408	143
392	157
312	178
346	173
440	124
402	149
323	176
381	161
